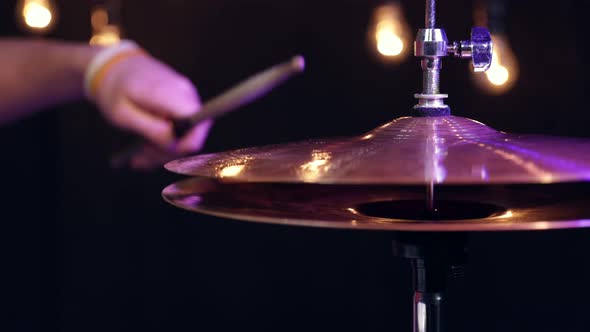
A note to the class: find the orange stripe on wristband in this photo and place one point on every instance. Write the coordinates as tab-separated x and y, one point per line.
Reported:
107	66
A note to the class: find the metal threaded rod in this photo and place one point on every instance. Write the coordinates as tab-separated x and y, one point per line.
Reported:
430	67
431	76
431	46
430	14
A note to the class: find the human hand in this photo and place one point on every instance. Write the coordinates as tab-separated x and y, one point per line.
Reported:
143	95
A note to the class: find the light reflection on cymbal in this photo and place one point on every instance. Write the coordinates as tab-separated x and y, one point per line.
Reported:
499	207
230	171
410	151
319	164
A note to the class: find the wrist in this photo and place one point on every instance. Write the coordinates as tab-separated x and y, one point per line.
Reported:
80	57
101	63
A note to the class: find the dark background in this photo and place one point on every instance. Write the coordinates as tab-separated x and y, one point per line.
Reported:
87	248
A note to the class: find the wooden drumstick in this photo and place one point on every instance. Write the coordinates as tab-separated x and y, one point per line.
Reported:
232	99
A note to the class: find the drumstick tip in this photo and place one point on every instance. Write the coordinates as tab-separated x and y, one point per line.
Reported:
298	62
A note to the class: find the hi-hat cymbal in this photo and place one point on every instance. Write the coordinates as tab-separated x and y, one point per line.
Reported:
409	150
390	208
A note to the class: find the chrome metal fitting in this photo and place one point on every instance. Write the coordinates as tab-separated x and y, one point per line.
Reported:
431	43
478	48
431	100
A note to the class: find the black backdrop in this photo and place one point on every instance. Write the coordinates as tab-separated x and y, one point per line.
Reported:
86	248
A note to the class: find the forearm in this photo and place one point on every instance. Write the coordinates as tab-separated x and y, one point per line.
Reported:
131	89
35	74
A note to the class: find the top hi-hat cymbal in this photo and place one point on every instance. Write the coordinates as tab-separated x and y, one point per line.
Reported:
408	150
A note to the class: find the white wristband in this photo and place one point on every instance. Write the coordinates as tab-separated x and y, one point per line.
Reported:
101	59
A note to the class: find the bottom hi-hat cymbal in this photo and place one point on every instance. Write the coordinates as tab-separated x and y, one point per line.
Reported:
409	150
390	208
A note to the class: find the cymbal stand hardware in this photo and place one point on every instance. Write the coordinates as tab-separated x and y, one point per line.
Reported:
431	45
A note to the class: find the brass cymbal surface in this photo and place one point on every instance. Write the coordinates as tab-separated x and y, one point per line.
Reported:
390	208
405	151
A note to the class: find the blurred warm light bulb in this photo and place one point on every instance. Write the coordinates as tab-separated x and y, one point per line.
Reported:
388	43
99	18
108	35
389	32
37	15
497	74
103	31
503	72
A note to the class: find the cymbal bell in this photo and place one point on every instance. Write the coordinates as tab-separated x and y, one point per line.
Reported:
408	151
389	208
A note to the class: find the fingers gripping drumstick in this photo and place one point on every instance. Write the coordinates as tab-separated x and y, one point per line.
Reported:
232	99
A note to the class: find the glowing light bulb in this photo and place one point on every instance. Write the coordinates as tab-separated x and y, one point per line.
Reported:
36	15
99	18
503	72
108	35
388	33
388	43
104	32
498	75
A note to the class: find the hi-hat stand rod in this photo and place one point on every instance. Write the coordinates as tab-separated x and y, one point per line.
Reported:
431	46
430	21
437	260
